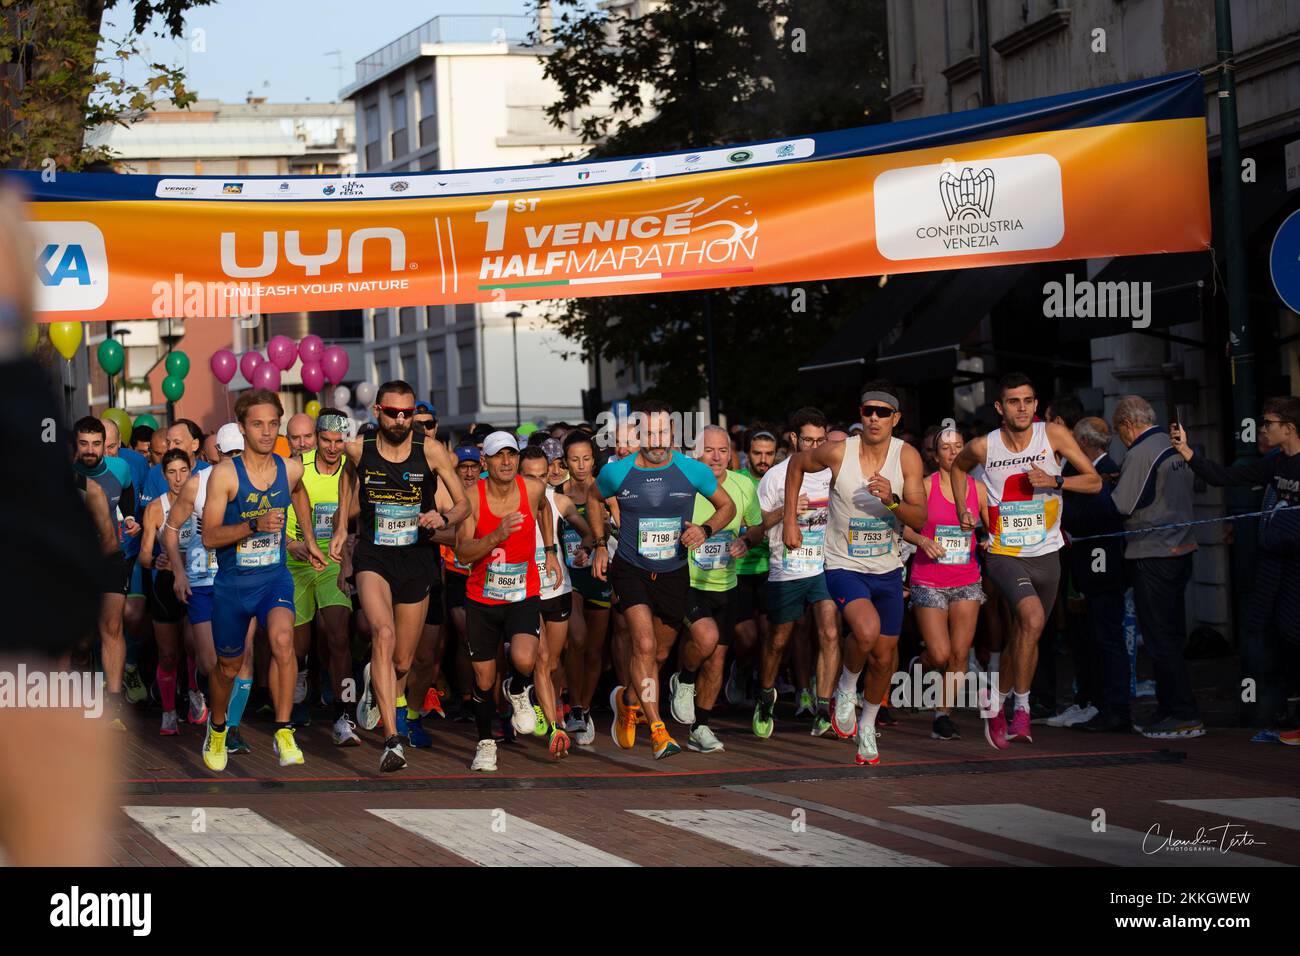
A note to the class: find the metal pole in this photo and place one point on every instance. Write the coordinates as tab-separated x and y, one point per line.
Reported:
1257	659
514	335
710	370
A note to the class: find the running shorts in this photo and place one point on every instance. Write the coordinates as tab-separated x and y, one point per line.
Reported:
1018	578
663	591
884	591
487	626
787	600
410	572
234	605
313	590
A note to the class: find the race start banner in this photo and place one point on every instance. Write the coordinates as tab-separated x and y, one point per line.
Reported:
1116	171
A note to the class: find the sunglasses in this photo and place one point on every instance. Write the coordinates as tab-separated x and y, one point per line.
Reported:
876	411
393	411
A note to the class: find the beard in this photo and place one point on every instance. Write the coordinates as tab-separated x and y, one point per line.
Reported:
656	455
90	462
396	434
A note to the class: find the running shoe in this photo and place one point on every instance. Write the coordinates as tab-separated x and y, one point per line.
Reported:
661	743
133	688
432	703
995	731
214	749
170	724
345	732
286	748
867	754
1019	728
735	689
783	686
235	742
624	728
1289	737
416	735
522	718
681	700
1176	727
485	757
367	710
392	759
559	744
844	716
807	704
1065	718
198	708
704	741
944	729
587	735
541	726
763	723
821	725
574	722
300	687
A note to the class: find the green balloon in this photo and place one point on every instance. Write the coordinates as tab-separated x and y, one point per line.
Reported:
147	420
123	422
527	428
111	356
178	365
173	388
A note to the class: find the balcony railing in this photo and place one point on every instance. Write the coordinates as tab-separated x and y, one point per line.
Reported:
450	28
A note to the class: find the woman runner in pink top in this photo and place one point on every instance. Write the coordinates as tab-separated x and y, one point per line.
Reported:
945	579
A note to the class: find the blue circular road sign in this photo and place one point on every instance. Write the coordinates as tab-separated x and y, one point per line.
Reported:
1284	261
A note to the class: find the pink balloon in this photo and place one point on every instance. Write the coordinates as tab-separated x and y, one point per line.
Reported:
310	348
334	362
248	363
223	365
282	352
313	376
267	376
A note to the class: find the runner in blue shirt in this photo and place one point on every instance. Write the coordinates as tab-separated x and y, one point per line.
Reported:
655	490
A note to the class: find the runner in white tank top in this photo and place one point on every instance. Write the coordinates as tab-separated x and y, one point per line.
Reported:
1023	478
876	487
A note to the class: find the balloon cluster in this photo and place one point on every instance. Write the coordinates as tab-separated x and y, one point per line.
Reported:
66	337
319	364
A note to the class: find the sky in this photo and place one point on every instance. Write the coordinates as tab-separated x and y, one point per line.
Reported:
280	49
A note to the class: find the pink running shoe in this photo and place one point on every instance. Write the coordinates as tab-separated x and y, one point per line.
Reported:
1019	729
995	731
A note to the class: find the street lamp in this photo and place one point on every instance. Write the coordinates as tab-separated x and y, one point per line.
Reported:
514	318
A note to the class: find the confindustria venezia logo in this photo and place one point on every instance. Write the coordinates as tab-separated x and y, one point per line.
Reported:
71	266
948	209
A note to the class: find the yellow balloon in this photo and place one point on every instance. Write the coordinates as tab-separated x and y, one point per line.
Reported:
66	337
32	338
313	408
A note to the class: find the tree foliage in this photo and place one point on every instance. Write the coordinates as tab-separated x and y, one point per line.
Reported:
62	77
699	73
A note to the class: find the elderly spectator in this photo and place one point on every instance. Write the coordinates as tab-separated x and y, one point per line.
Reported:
1154	489
301	431
1097	570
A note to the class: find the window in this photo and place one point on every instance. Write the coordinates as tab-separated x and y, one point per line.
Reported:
374	157
467	394
428	127
397	122
382	368
410	367
381	325
406	320
438	374
465	312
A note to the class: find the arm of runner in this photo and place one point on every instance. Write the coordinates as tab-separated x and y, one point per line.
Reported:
152	519
912	511
439	459
97	503
1087	481
470	549
347	486
829	455
596	518
982	494
724	512
751	520
222	487
546	524
182	509
972	454
301	502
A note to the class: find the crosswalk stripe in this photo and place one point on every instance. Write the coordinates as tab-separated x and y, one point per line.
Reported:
1069	834
1278	811
774	837
227	836
495	838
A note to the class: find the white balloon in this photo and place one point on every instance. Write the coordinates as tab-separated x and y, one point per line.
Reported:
365	394
350	430
342	395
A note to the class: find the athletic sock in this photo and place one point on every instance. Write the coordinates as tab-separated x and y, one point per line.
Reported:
869	712
217	728
1022	700
283	725
701	718
483	714
848	684
400	702
166	687
767	695
685	677
238	700
824	706
996	698
412	713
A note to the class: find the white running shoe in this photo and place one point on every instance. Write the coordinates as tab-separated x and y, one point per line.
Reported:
1074	714
485	757
573	723
587	735
367	708
704	741
345	732
844	716
522	717
867	754
681	700
300	687
392	759
198	708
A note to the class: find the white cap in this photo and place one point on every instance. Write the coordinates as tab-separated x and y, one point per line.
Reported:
498	442
229	438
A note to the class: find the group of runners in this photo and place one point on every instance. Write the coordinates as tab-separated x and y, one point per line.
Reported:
555	559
